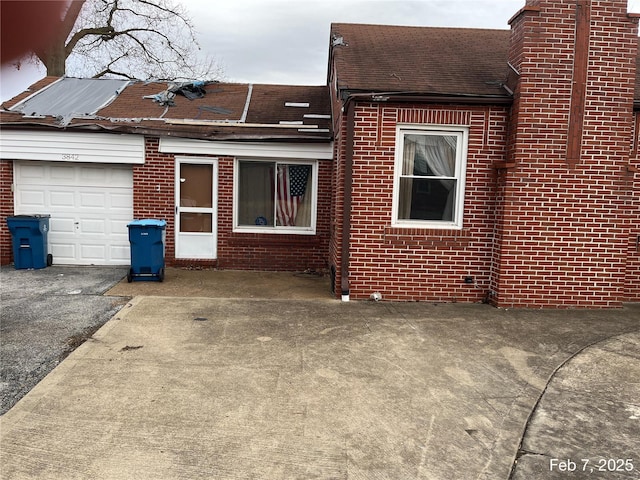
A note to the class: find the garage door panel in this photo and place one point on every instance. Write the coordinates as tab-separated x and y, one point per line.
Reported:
30	173
63	253
93	226
60	224
62	174
92	253
61	198
32	199
95	175
93	200
90	207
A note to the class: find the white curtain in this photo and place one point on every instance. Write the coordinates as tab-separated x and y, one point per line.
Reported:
439	153
406	184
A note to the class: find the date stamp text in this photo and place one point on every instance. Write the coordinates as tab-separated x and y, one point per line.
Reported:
591	466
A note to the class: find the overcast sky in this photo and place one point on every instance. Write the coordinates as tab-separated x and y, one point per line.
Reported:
287	41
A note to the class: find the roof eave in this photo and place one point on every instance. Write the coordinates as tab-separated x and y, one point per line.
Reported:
213	135
421	97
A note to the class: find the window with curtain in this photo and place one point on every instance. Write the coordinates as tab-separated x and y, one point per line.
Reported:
275	197
429	189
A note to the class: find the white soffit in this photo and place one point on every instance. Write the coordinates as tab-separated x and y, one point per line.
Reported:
312	151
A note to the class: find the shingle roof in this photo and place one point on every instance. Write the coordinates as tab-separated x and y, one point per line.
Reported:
456	61
443	61
225	111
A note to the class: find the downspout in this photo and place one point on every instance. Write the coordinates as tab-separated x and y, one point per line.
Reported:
346	211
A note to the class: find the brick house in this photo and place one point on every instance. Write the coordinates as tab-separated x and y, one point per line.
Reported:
468	165
488	165
240	172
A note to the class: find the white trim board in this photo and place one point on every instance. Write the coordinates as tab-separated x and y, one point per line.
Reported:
71	147
307	151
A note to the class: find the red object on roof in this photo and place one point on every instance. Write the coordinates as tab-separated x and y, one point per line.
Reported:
27	26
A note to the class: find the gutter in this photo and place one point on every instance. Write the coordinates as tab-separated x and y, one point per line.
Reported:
416	97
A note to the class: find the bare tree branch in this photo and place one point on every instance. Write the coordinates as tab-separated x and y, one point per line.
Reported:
128	38
85	32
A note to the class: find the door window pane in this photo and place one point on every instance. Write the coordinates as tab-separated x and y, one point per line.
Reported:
196	222
196	185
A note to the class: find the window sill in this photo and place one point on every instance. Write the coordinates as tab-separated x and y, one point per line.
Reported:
273	231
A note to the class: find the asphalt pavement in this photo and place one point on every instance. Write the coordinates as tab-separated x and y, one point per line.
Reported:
45	314
269	387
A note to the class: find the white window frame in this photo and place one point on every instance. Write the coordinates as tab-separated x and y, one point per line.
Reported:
462	132
310	230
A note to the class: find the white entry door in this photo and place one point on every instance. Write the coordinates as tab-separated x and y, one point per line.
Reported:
89	204
196	212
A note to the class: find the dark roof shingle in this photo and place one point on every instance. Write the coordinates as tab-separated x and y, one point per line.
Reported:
441	61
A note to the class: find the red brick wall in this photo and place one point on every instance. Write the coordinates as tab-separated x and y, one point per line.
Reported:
154	197
413	264
547	231
6	210
153	191
563	236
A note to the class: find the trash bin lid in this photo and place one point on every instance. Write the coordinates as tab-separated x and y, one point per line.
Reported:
31	216
148	222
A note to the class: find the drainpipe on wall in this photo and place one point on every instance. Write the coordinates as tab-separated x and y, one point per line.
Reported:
346	212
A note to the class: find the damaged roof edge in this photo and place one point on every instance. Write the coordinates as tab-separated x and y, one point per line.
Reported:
275	135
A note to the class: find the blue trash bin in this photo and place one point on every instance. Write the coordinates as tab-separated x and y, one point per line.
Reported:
29	236
146	238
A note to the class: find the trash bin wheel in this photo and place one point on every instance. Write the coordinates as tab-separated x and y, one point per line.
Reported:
49	260
161	275
130	275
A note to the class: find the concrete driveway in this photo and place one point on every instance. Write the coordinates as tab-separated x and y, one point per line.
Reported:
259	388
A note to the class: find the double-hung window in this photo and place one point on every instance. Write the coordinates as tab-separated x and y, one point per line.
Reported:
430	176
275	196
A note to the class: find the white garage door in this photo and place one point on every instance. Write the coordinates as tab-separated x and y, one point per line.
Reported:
90	206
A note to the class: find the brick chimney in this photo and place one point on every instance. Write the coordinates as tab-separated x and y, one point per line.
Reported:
564	197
